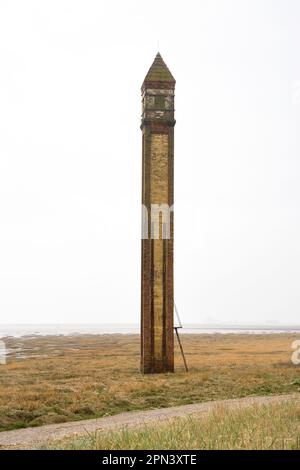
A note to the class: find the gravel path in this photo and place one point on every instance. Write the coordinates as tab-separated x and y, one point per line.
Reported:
32	437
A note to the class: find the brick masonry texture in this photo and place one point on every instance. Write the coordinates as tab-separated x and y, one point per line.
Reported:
157	335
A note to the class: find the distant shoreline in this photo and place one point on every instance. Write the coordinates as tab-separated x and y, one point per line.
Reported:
19	331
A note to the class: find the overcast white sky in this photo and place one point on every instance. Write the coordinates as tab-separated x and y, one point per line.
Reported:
70	157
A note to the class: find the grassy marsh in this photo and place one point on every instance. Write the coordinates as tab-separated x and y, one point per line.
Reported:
54	379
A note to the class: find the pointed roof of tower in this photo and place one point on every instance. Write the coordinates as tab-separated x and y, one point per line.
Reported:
159	72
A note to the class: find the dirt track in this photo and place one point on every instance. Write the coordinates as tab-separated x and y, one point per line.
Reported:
30	438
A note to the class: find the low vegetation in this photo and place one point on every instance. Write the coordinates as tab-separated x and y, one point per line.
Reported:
56	379
265	427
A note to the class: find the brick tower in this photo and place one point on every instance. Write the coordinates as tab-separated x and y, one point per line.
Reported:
157	336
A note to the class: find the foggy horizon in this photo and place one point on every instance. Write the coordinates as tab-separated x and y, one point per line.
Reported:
70	159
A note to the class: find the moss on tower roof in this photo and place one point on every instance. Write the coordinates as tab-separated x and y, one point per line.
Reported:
159	72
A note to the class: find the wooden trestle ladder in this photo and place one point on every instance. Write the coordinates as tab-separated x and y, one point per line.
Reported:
176	328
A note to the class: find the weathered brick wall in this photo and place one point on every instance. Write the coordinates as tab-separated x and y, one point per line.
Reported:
157	337
159	195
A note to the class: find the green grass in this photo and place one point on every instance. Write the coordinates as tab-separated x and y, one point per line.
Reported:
266	427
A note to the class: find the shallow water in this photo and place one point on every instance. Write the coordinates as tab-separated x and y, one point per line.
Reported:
19	330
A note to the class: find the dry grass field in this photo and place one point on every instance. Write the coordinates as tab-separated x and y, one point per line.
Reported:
54	379
266	427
